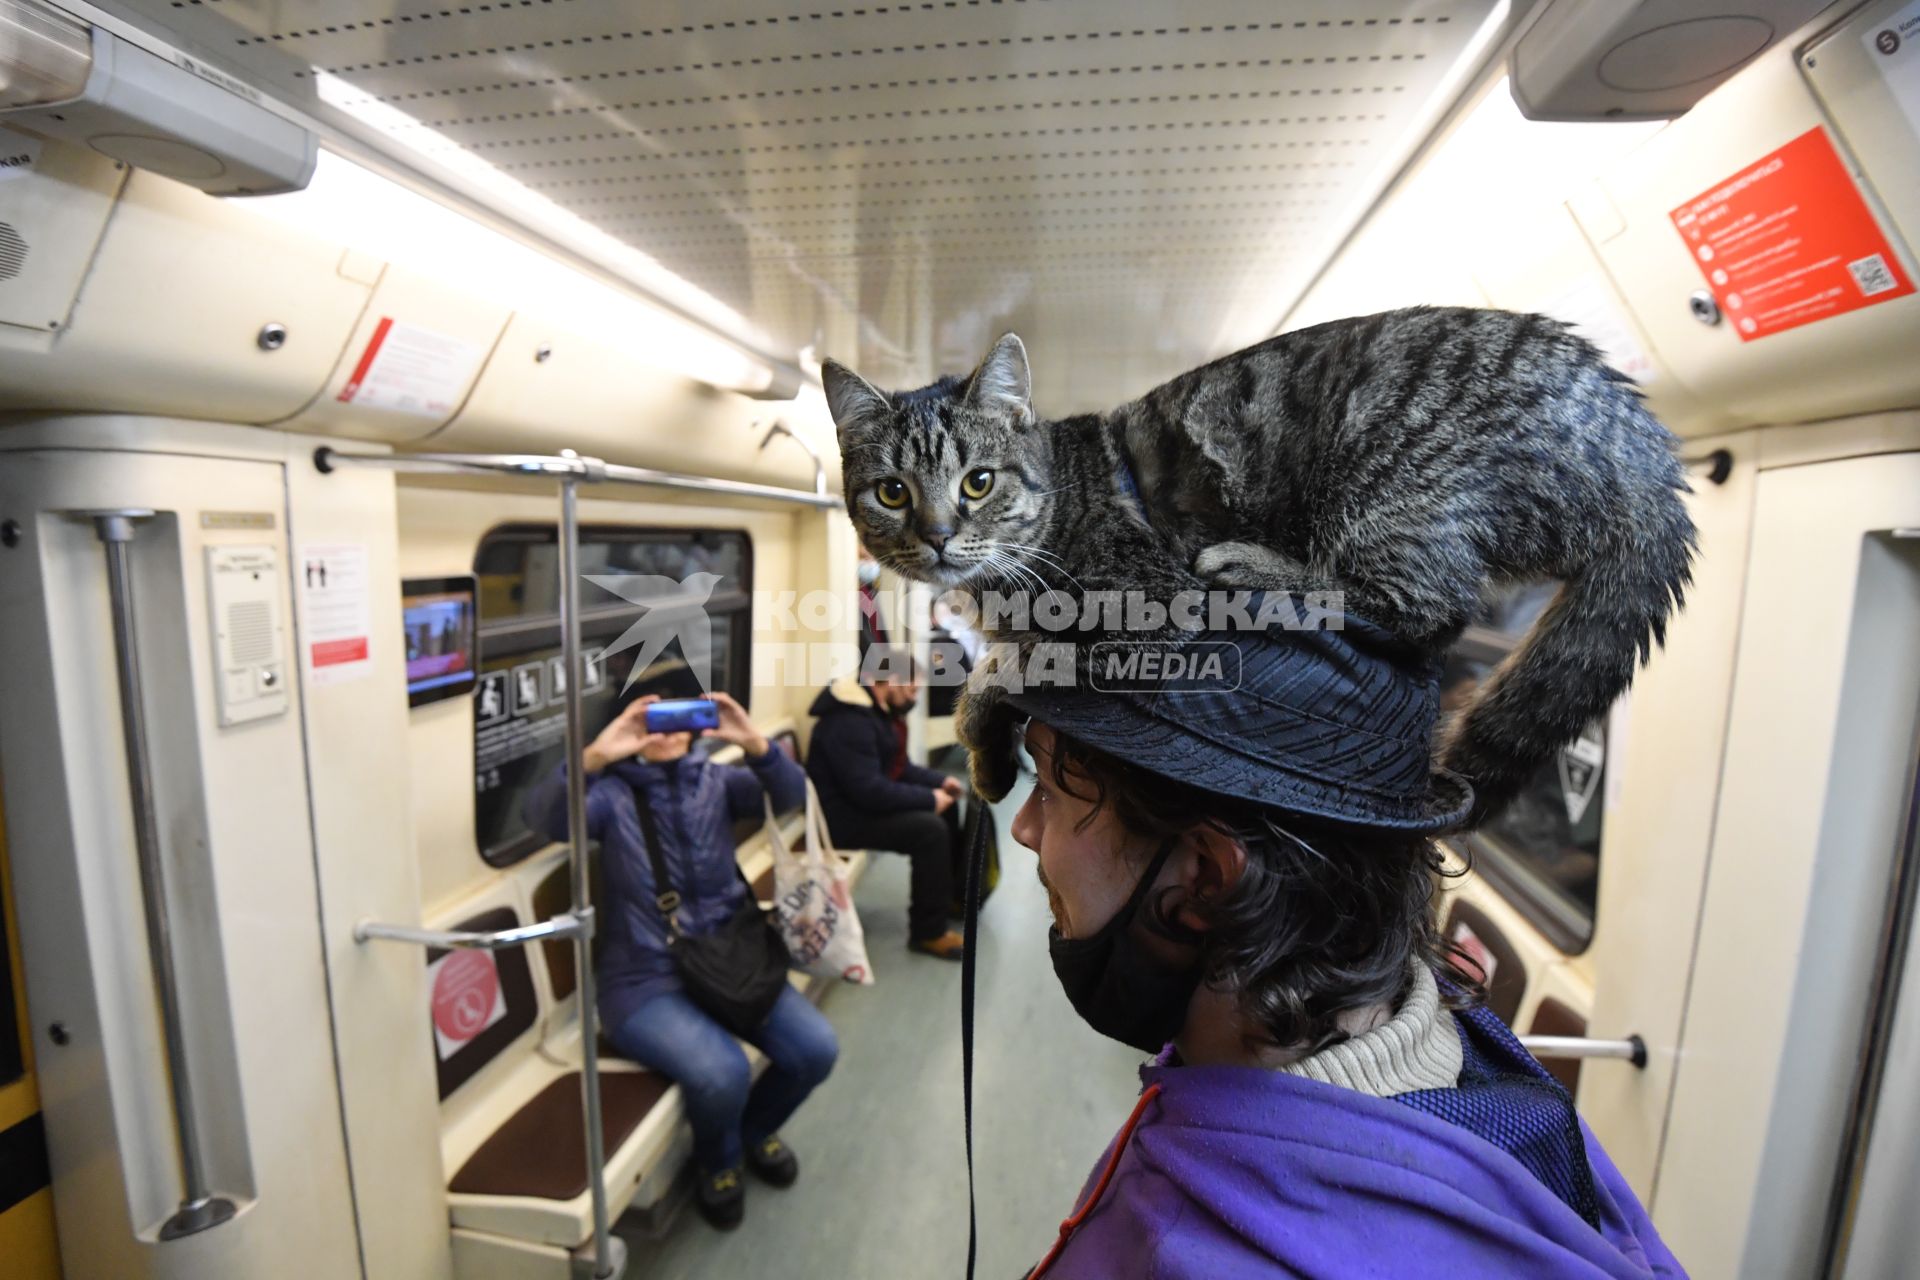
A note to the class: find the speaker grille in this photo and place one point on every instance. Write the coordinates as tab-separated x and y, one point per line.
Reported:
13	252
250	625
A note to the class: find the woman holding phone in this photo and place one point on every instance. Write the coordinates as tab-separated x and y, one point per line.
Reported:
642	782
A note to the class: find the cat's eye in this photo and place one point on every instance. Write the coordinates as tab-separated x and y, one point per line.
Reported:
977	484
892	493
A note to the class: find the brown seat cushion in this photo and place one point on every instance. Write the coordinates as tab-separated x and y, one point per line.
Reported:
541	1151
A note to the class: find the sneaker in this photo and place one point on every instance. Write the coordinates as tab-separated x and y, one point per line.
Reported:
774	1161
948	946
722	1198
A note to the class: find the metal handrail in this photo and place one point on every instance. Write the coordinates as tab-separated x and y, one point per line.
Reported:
1633	1049
199	1207
572	470
578	468
780	428
569	925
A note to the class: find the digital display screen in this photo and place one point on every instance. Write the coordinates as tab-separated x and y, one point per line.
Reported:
437	615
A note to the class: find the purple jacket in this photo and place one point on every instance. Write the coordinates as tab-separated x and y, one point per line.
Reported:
1239	1172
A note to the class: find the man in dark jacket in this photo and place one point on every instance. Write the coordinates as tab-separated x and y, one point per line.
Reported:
874	798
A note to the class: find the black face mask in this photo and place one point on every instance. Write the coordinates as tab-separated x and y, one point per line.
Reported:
1116	985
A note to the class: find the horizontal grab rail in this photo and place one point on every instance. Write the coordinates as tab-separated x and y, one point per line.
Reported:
1633	1049
570	925
570	464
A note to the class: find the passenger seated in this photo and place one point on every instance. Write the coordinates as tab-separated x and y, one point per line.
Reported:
873	798
647	1014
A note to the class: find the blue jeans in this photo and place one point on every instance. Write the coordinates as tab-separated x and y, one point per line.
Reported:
672	1035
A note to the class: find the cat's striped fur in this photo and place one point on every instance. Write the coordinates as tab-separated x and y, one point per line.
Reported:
1410	459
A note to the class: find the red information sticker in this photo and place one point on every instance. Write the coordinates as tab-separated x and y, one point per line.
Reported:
1788	241
466	998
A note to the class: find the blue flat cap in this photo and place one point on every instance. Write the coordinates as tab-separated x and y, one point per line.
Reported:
1334	724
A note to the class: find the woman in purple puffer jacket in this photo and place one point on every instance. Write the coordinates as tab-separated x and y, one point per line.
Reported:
1242	877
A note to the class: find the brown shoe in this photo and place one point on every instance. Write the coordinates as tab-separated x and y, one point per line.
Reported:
950	945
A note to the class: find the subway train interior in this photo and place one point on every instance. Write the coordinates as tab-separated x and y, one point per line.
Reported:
373	371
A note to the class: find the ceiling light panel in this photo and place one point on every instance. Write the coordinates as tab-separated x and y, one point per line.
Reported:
1135	189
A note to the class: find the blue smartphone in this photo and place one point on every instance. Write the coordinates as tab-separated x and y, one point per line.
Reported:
682	715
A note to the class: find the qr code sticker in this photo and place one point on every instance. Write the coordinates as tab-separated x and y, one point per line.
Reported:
1871	275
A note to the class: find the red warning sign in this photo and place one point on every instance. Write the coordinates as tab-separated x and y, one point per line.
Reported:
1788	241
466	998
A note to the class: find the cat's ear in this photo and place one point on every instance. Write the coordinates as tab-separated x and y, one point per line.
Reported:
1002	385
851	399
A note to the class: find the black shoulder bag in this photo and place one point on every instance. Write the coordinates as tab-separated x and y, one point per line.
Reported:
735	973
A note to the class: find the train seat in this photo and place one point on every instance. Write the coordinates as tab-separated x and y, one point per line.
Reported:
512	1132
1475	932
511	1123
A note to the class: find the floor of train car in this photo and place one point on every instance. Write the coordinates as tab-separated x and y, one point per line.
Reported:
883	1182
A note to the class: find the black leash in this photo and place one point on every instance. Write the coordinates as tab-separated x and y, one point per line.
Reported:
976	873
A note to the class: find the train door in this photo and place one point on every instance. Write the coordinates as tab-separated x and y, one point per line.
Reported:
231	990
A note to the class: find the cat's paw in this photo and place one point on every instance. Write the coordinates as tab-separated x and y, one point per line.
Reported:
1248	564
988	738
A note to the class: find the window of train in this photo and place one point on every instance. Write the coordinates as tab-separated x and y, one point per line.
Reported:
1543	851
519	715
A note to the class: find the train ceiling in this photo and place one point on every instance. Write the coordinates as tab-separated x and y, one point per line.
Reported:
1133	188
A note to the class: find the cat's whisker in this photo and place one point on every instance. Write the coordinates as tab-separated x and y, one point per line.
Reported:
1018	574
1046	558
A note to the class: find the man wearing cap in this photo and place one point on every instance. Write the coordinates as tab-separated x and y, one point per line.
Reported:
1242	875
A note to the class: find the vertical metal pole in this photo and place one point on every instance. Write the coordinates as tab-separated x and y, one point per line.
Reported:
199	1208
577	853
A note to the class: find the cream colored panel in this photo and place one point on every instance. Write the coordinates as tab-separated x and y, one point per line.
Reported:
1852	71
1853	363
441	524
1654	848
1819	743
169	317
358	770
452	334
54	208
480	1256
1545	264
600	398
1453	221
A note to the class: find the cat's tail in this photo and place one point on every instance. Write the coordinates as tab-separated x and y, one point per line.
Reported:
1583	651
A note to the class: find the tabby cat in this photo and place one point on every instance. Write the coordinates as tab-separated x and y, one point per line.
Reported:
1412	460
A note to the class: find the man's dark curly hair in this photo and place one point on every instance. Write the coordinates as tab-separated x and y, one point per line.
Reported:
1325	918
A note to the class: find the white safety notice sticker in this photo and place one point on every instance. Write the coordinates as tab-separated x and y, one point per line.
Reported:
1894	46
408	369
334	609
467	999
1589	306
